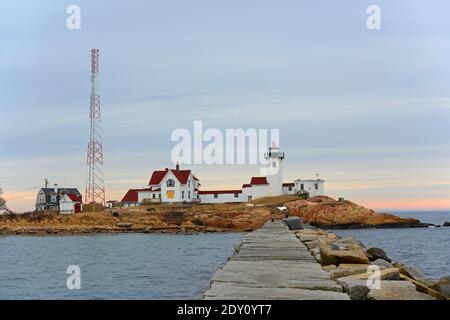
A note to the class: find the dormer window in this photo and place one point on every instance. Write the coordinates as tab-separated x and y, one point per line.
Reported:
170	183
189	183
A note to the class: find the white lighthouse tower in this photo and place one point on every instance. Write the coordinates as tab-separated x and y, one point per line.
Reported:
274	173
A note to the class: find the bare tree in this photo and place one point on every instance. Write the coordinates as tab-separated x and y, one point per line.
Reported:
2	200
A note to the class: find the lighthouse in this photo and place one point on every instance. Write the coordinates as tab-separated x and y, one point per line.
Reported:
275	173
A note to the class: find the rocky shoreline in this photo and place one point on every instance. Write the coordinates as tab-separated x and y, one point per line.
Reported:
322	212
351	264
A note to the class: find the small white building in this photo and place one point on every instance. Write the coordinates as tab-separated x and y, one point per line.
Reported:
311	187
289	188
221	196
70	203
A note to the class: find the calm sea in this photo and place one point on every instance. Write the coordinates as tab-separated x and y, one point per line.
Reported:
425	249
123	266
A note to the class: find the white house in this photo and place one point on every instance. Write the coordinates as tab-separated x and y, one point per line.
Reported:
312	187
167	186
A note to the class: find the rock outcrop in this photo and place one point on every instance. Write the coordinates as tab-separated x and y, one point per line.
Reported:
325	212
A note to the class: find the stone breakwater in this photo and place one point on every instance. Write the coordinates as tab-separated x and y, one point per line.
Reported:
277	263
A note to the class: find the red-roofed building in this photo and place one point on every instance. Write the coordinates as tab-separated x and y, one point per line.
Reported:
70	203
167	186
258	181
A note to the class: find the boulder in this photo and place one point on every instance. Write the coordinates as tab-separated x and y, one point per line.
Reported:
333	254
377	253
294	223
348	243
340	272
331	235
329	267
356	289
397	290
408	271
383	264
311	244
386	274
446	224
443	286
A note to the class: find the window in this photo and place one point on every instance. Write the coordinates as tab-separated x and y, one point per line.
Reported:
182	194
302	186
170	194
290	188
170	183
216	196
189	194
189	183
159	195
316	186
154	196
236	195
53	198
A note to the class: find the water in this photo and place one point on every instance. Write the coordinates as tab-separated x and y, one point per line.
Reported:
122	266
425	249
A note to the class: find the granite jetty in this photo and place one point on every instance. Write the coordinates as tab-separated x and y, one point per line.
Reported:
275	262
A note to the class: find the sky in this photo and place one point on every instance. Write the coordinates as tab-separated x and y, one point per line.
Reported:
369	110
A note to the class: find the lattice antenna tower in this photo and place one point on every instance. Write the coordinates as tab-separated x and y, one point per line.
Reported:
95	187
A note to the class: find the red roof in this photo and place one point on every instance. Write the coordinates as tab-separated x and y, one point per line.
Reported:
132	195
74	197
246	185
219	191
157	176
181	175
288	184
258	180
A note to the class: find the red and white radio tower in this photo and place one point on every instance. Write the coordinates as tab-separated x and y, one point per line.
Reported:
95	187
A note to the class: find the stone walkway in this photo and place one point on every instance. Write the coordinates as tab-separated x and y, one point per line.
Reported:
273	264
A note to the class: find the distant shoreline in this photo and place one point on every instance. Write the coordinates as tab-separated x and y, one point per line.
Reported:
321	211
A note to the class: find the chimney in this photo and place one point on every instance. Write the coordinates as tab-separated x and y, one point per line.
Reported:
178	166
56	188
